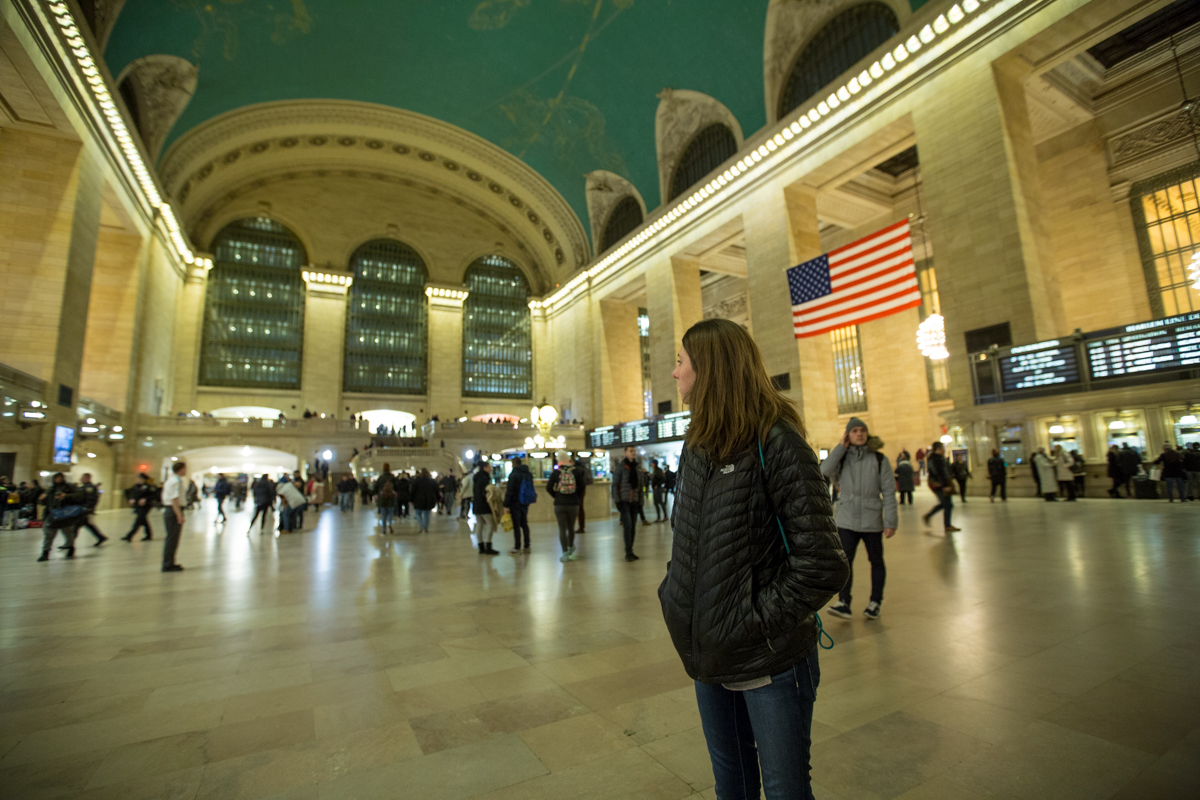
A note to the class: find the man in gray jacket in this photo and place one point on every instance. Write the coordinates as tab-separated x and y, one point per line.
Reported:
866	509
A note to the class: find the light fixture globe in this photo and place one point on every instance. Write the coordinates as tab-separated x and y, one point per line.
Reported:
549	415
931	337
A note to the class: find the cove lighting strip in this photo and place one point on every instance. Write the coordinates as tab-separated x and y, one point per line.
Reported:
811	123
449	294
77	47
326	278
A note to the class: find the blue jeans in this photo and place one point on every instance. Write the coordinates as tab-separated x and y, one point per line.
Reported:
385	516
346	501
947	506
1177	483
422	518
777	718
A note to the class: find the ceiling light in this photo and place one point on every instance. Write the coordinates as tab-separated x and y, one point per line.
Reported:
833	101
854	86
843	93
1188	419
1117	425
927	35
940	24
778	138
946	439
822	108
970	6
1056	429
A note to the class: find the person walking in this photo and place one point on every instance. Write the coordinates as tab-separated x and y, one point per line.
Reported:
627	497
1047	472
449	492
66	510
141	498
518	496
221	491
866	509
998	475
1114	470
904	479
587	481
921	458
264	500
941	484
658	485
386	504
1173	472
1063	464
644	486
174	496
403	495
1131	465
961	473
563	486
1079	473
424	498
755	551
291	505
1191	465
91	494
486	517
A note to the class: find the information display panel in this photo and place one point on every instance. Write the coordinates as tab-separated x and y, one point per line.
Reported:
603	438
1158	346
672	426
636	432
1034	366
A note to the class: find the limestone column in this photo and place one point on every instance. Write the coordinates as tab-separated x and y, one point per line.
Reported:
189	337
50	196
983	202
620	364
781	230
322	358
445	357
673	303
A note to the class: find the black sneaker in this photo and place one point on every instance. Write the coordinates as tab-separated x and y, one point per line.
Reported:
630	557
45	556
173	568
871	611
840	610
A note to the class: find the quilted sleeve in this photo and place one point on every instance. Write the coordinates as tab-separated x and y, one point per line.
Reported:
887	490
816	568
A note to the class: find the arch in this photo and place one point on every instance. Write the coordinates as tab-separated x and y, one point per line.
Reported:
604	190
707	150
234	460
497	337
254	307
837	46
624	218
387	341
682	116
156	90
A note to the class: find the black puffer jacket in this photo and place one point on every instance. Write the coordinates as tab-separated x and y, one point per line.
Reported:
738	607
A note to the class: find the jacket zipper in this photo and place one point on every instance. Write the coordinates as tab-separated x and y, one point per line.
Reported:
696	581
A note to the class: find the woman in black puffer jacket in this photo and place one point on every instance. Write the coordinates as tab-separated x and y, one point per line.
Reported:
742	589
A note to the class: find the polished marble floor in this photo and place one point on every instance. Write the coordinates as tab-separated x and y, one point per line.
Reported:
1046	651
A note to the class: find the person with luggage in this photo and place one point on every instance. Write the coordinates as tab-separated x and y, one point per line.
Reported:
941	484
905	479
486	517
66	510
563	486
291	505
519	495
866	509
755	552
998	475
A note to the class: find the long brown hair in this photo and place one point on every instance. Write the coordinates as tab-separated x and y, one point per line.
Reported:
733	401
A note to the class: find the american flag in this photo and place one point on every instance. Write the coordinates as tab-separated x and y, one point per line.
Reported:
865	280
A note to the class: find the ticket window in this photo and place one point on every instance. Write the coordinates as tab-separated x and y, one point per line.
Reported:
1187	433
1120	431
1066	434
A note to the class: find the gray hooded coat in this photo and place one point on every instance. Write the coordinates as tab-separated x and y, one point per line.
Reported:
866	486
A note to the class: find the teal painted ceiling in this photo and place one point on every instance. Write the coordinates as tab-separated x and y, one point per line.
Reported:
568	86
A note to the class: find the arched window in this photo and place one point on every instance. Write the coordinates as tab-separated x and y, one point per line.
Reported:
497	344
706	152
837	47
387	344
624	217
254	312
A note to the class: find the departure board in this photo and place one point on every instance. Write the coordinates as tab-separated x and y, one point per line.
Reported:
603	438
1034	366
1158	346
636	432
673	426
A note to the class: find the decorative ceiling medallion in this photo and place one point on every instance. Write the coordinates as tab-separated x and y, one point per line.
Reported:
450	165
533	217
473	175
558	255
259	147
401	149
374	144
497	188
318	140
290	141
516	201
347	141
232	157
427	156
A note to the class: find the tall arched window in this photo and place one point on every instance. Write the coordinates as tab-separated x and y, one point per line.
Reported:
497	344
254	311
387	344
837	47
707	151
624	217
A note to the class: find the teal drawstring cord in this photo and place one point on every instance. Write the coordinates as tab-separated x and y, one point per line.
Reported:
822	634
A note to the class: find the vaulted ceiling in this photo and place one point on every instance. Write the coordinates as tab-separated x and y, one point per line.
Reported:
568	86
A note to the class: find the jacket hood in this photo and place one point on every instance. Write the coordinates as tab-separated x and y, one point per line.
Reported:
855	422
874	443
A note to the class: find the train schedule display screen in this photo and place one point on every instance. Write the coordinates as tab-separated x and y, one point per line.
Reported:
603	438
636	432
1041	365
673	426
1158	346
